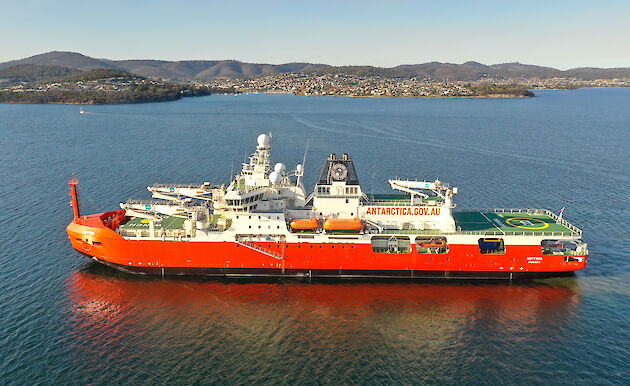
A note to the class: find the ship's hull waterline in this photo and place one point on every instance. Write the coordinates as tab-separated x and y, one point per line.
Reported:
310	260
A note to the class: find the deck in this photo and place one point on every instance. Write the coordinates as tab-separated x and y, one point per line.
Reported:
168	222
508	222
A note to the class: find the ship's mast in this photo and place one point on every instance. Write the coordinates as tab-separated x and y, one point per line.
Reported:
74	182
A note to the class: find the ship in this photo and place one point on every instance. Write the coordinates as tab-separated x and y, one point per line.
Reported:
264	223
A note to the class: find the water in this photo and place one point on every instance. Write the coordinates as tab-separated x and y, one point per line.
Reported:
64	319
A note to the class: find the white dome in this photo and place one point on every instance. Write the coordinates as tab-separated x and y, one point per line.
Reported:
280	168
298	168
263	140
275	178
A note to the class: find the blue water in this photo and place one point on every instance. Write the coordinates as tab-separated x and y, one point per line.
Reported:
64	319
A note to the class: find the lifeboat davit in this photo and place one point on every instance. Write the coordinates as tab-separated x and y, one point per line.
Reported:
305	224
343	224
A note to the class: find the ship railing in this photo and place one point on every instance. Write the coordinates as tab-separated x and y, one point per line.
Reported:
563	222
478	233
186	186
149	202
564	252
547	212
400	203
249	189
164	234
183	205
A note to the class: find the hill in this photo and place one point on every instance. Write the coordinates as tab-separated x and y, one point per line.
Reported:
178	70
99	74
34	72
64	59
96	86
201	70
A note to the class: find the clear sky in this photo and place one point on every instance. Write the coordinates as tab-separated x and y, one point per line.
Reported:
561	34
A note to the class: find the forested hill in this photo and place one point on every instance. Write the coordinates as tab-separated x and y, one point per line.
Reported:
96	86
180	70
27	72
200	70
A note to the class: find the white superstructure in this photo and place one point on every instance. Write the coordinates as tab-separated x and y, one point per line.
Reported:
261	202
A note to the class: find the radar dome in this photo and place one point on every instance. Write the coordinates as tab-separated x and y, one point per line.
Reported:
263	140
298	168
275	178
280	168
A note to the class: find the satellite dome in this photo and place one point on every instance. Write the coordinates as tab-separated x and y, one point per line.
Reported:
298	168
263	140
275	178
280	168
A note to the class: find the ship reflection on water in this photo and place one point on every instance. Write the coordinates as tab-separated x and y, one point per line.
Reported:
119	315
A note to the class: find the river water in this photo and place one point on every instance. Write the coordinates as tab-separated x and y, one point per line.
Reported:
65	319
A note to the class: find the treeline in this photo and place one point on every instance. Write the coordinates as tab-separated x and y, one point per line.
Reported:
34	72
99	74
363	71
140	94
486	89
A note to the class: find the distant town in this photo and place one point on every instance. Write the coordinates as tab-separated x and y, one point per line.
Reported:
367	86
362	86
128	88
66	77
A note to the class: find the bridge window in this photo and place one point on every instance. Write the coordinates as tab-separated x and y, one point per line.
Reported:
491	246
323	189
431	244
391	244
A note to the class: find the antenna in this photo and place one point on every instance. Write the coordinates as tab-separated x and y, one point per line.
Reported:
303	163
373	174
305	151
560	215
232	171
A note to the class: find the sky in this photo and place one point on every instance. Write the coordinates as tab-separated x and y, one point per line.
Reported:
560	34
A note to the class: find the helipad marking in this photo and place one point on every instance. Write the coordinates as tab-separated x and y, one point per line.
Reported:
145	221
527	223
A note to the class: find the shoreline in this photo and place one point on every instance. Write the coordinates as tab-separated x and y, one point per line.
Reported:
278	93
490	96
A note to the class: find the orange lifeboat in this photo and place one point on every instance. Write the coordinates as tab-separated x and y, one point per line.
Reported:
305	224
440	243
343	224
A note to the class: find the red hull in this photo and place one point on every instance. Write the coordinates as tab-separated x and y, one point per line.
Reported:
89	235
